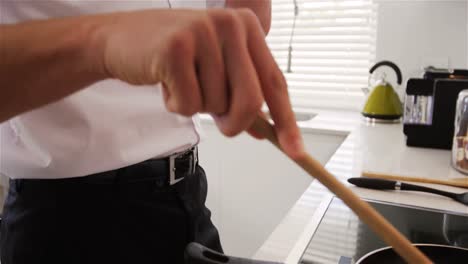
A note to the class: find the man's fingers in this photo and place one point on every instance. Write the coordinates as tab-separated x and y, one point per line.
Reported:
274	88
245	92
252	132
181	88
210	69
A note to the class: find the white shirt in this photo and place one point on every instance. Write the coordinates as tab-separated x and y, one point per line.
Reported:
106	126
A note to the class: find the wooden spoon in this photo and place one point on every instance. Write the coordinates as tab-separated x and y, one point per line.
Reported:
365	212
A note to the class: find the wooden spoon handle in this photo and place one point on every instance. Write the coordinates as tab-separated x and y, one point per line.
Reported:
366	213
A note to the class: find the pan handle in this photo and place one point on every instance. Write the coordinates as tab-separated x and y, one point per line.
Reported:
198	254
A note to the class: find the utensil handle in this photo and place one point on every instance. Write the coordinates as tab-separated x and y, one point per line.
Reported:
381	184
391	65
366	213
417	188
377	184
198	254
457	182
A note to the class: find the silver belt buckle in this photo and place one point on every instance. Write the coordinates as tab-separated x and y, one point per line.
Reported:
172	171
172	168
194	159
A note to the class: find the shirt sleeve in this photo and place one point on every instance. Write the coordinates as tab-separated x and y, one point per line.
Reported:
215	3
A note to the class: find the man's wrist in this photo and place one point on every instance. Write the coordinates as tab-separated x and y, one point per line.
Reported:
93	44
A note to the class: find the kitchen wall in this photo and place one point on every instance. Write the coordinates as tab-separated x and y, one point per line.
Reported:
415	34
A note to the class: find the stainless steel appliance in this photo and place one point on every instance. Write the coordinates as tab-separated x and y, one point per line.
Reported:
460	139
342	238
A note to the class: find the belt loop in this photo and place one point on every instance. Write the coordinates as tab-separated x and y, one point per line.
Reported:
195	159
18	185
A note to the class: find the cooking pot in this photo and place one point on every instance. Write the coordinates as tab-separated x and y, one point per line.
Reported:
439	254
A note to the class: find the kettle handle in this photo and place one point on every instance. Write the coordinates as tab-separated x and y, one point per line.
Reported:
391	65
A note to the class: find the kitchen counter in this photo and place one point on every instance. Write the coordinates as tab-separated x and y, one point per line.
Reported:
377	148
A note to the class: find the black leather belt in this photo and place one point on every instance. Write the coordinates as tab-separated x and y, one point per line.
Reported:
166	171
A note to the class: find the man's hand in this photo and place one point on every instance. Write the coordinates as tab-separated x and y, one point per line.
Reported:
213	61
261	8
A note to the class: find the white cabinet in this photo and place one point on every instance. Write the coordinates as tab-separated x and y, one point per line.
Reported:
252	185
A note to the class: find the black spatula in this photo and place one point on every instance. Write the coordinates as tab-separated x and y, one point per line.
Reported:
381	184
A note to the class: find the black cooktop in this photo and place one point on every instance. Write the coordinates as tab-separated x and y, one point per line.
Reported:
342	238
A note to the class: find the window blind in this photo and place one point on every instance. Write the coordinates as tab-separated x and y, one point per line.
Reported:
329	50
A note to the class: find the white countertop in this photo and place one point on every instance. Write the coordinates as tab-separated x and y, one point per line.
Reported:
378	148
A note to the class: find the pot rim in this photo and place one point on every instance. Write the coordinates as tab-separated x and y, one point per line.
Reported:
415	244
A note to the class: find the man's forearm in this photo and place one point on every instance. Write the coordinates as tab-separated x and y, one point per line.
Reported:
44	61
262	8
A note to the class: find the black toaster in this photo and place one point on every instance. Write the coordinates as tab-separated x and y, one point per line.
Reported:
429	111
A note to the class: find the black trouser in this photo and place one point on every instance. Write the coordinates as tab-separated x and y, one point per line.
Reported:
127	216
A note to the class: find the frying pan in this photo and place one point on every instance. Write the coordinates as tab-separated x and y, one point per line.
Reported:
440	254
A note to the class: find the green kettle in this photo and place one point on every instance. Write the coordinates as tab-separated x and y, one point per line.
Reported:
383	103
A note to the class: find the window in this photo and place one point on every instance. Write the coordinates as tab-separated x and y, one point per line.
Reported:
332	47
